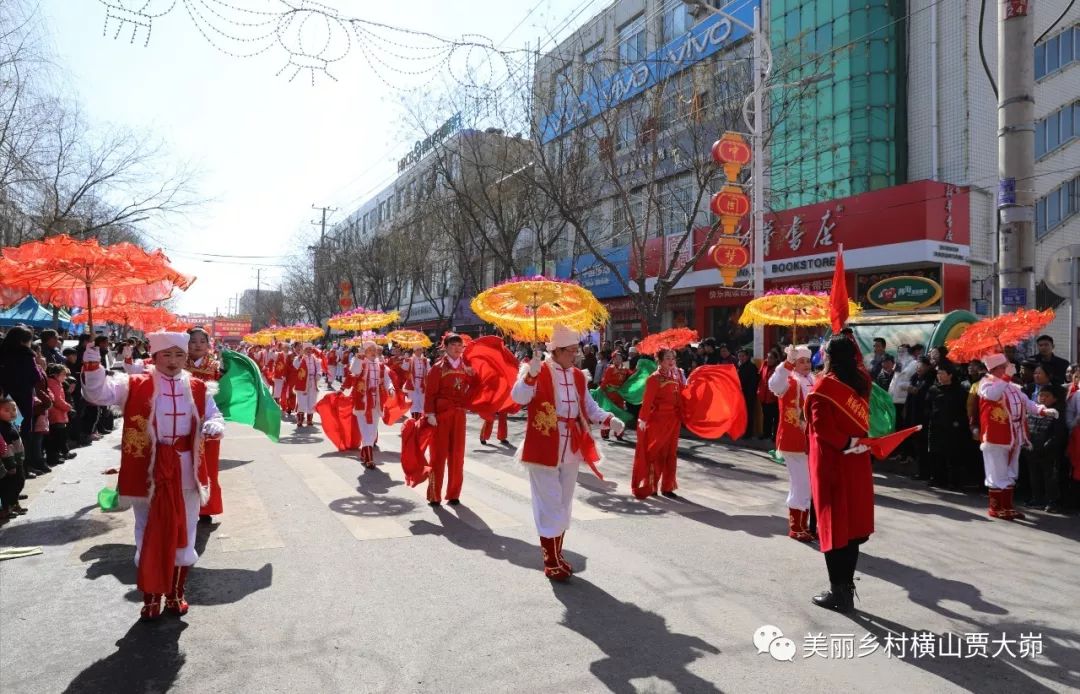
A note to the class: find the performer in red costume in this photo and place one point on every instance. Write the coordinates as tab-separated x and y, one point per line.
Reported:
279	358
445	398
372	388
167	416
306	385
791	382
489	425
557	440
203	365
841	478
331	365
1003	410
659	424
614	377
417	367
291	383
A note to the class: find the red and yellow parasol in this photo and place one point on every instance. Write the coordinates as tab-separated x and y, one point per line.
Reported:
791	307
409	339
142	317
994	334
675	338
529	308
300	332
361	318
66	272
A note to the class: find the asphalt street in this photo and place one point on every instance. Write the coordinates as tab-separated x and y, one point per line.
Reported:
324	577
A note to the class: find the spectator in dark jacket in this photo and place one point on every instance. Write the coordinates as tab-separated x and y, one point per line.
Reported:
748	380
20	378
1055	365
915	413
50	347
886	371
1046	457
948	424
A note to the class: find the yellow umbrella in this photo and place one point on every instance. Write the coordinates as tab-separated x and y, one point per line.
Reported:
363	319
409	339
791	307
528	309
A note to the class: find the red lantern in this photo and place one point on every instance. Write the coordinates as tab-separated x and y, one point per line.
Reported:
731	152
730	256
730	205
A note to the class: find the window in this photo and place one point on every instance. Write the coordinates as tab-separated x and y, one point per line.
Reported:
675	197
1057	129
632	40
564	92
593	60
624	128
1057	207
675	21
1057	52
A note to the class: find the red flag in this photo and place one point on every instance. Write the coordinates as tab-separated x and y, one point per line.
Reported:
882	447
416	438
497	370
712	402
838	298
338	422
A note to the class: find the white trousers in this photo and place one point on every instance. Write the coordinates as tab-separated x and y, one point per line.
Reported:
1002	465
416	398
279	387
798	470
339	371
369	433
553	495
184	557
306	399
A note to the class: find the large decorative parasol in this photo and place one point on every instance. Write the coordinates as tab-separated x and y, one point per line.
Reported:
142	317
300	332
409	339
367	336
675	338
361	318
529	308
66	272
260	339
994	334
791	307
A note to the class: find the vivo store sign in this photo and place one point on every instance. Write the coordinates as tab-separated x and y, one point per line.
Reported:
714	33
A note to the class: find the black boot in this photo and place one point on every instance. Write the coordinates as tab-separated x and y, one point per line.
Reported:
839	597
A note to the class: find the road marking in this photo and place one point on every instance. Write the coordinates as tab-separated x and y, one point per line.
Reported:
472	512
520	486
246	524
329	488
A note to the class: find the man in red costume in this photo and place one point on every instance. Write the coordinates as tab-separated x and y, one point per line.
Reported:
372	388
203	365
306	385
614	377
280	371
445	399
557	440
791	382
1003	410
841	477
489	426
291	383
167	416
331	365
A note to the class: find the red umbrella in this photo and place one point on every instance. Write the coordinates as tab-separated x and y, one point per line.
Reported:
994	334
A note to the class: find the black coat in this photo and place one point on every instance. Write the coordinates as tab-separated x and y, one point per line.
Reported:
947	417
19	374
748	379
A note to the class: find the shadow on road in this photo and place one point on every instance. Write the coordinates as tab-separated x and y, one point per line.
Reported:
54	531
147	659
1002	673
926	589
637	643
925	507
371	506
225	464
300	439
375	481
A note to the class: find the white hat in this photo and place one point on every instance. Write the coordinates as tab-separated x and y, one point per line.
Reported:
164	340
562	336
369	344
992	361
799	352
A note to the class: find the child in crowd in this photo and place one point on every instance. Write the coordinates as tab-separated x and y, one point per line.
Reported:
1049	436
14	479
56	444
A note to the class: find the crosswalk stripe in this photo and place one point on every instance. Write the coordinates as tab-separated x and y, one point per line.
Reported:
328	488
246	523
472	511
520	486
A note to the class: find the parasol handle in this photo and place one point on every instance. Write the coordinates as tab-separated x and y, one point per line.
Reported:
536	306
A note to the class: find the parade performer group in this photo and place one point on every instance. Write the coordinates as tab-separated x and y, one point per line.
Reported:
792	382
557	440
168	415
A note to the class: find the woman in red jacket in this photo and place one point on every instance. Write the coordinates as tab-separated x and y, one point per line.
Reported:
659	423
841	478
614	377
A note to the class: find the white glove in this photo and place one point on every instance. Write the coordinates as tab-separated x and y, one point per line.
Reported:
789	352
617	425
390	392
128	352
1049	412
92	354
213	429
854	447
534	365
641	424
432	421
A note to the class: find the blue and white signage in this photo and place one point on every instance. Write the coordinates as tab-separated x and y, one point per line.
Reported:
712	34
598	278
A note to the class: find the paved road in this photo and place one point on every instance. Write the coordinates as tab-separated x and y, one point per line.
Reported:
324	577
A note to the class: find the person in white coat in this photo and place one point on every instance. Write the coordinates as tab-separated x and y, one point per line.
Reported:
371	387
557	440
791	382
418	367
307	368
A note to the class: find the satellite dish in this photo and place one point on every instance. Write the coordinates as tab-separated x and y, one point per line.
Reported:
1059	274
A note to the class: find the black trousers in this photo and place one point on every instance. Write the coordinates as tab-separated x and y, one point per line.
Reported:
12	485
770	417
56	444
841	563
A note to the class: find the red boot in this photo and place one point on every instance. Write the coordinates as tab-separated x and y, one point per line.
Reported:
798	521
175	604
558	554
997	509
367	456
1013	514
552	568
151	607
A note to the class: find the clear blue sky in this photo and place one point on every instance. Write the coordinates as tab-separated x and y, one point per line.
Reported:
267	148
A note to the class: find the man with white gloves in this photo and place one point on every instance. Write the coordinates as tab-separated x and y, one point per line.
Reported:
791	382
557	440
1003	407
167	415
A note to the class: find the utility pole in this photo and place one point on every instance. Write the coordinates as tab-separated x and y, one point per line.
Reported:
316	251
258	288
1016	154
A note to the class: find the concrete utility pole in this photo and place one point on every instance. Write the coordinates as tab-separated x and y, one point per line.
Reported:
316	251
1016	154
258	289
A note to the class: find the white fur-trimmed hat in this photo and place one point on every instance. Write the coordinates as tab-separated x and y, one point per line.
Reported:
992	361
562	336
799	352
165	340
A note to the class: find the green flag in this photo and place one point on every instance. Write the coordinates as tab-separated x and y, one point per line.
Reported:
607	405
243	396
882	412
633	391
